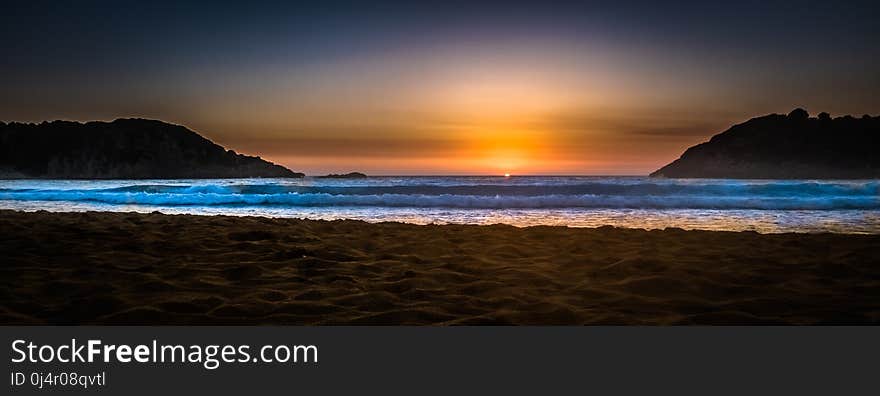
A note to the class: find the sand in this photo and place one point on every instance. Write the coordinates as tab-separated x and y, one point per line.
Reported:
128	268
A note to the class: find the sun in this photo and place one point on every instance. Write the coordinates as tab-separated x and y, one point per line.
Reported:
507	175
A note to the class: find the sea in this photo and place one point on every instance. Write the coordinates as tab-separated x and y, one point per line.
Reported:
767	206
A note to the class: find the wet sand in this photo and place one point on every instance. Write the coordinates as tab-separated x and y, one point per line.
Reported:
128	268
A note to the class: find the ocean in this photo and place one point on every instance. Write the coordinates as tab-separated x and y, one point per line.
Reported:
769	206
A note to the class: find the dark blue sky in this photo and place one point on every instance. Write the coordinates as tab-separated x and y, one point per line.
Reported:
641	80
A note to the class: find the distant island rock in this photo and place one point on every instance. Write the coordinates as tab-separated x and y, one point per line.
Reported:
122	149
793	146
350	175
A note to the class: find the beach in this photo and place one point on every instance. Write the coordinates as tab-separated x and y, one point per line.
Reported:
131	268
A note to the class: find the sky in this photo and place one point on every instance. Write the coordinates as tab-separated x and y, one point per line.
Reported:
605	88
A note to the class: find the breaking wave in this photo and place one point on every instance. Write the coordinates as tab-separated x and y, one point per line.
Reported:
452	193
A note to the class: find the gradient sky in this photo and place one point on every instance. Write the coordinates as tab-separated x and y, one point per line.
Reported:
453	88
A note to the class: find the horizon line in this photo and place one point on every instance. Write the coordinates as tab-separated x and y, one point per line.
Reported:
492	175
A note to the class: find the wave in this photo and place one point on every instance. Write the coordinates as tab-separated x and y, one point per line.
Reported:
250	196
774	189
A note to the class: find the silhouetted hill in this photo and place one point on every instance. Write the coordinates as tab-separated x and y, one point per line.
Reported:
350	175
122	149
795	146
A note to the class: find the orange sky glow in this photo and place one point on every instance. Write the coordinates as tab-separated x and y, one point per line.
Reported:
582	92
